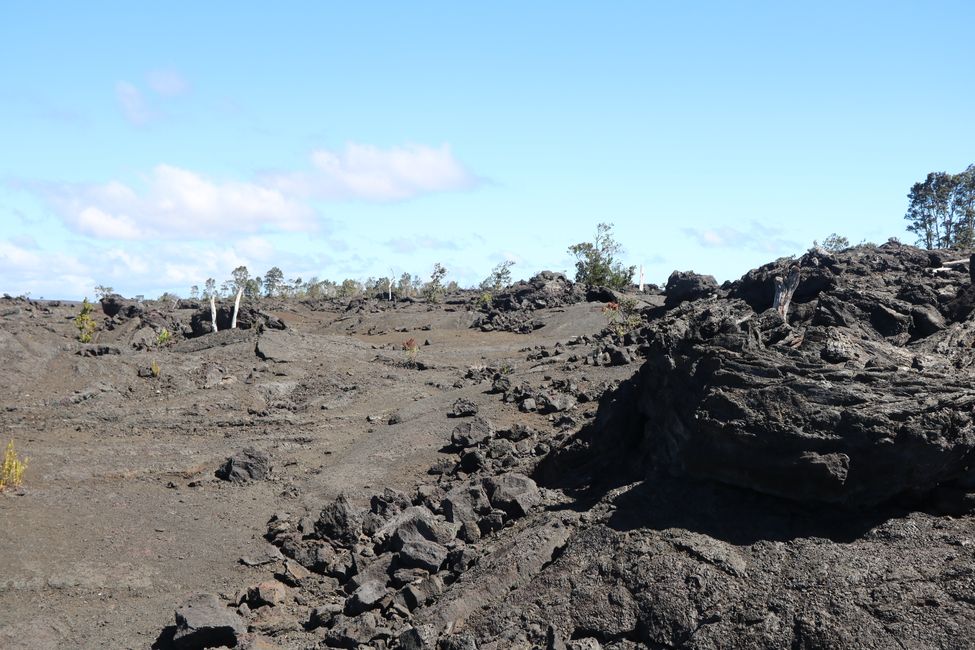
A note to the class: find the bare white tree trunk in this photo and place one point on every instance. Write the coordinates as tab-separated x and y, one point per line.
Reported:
213	312
783	292
641	279
389	288
233	321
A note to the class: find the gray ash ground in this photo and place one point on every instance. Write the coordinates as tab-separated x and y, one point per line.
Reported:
714	477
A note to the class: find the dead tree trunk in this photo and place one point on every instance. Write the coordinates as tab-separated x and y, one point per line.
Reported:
783	292
213	312
233	321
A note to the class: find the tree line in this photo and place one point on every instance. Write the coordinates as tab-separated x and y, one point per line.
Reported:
596	264
941	210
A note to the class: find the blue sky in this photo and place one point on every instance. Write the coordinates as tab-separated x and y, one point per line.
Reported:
151	147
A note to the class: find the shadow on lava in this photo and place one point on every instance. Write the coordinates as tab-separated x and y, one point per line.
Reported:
611	452
736	515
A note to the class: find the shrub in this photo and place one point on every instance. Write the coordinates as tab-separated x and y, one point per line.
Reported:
412	349
12	471
154	368
622	316
85	323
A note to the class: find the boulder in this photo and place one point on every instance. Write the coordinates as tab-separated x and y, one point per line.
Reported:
204	622
471	432
246	465
420	553
688	285
513	493
339	522
462	408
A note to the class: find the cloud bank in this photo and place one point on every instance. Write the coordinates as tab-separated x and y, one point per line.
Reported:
175	203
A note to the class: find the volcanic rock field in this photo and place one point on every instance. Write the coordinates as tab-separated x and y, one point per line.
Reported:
783	461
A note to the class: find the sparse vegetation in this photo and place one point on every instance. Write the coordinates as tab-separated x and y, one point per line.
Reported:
155	369
596	260
84	322
12	471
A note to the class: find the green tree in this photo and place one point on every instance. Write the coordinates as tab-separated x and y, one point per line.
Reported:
273	281
101	291
405	285
350	288
210	289
596	262
500	277
240	276
941	210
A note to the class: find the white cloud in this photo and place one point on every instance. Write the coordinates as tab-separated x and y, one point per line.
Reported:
175	204
367	172
758	237
168	82
38	273
134	107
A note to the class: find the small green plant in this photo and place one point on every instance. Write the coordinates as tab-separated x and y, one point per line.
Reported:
412	349
485	301
154	369
12	471
85	323
165	336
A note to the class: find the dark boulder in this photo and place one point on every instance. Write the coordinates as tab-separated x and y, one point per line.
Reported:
247	465
687	285
339	522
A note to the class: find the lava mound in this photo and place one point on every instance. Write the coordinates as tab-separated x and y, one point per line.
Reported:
860	391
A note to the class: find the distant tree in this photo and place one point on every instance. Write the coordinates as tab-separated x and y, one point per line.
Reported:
434	289
596	262
405	285
273	281
350	288
252	289
834	243
195	292
941	210
500	277
965	207
102	291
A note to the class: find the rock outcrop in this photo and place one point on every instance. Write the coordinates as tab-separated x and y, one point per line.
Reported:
865	394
